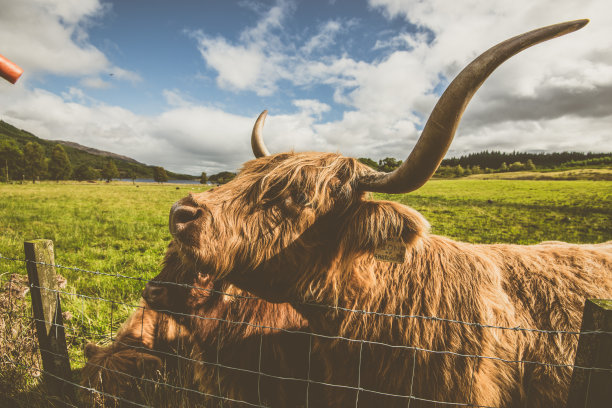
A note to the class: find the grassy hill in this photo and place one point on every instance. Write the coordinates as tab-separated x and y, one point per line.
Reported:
596	174
79	154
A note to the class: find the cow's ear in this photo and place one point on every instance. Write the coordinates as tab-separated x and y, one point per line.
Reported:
148	364
91	350
384	229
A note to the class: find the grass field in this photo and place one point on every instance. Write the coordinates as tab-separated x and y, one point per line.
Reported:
600	174
122	228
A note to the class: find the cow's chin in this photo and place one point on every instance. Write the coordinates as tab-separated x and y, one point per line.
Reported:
200	260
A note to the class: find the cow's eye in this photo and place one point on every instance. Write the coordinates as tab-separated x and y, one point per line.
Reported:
303	199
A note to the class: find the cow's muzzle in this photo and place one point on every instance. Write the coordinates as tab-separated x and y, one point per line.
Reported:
182	215
155	295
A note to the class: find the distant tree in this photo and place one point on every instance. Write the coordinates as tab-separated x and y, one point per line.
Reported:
11	160
444	171
529	165
388	164
59	165
369	162
34	160
516	166
203	178
503	167
132	175
458	171
85	172
109	171
222	178
159	174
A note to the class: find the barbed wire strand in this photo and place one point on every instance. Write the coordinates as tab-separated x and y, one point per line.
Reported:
262	327
309	381
318	382
164	384
308	374
412	376
17	364
369	342
271	376
277	377
359	375
339	308
329	337
358	389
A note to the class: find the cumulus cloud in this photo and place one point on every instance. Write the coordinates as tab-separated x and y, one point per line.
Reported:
257	62
50	37
186	137
565	81
556	96
390	97
324	38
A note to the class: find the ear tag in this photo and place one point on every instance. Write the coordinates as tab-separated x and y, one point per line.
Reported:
393	250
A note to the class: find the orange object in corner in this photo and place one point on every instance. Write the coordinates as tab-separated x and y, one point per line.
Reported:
9	70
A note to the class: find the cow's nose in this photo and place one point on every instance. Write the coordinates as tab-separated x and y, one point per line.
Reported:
154	294
181	215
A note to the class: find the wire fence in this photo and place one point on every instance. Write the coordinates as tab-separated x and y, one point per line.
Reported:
199	358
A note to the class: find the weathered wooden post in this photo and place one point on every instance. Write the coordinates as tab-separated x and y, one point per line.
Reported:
48	315
593	388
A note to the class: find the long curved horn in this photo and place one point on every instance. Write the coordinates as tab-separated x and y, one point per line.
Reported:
257	143
440	128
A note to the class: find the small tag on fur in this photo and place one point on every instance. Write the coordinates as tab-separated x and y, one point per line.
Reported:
391	251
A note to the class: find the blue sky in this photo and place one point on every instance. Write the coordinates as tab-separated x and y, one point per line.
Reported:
179	84
160	43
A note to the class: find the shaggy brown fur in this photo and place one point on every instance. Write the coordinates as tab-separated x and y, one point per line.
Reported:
229	331
293	227
142	349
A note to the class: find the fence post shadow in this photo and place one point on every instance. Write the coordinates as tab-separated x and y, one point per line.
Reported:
592	388
47	312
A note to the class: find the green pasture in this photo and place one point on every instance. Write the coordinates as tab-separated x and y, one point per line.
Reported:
122	229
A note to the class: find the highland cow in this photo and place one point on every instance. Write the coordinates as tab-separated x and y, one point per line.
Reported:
300	228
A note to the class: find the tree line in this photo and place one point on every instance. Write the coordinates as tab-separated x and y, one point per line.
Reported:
31	163
499	162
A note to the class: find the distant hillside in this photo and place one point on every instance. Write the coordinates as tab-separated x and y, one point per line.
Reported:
96	151
79	154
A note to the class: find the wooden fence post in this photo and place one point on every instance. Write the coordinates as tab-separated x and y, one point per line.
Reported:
593	388
48	315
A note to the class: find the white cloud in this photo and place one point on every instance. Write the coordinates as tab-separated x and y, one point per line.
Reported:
239	67
50	37
95	83
311	106
324	38
556	96
537	100
257	62
391	97
184	138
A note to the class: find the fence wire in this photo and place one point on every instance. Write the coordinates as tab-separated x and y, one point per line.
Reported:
181	355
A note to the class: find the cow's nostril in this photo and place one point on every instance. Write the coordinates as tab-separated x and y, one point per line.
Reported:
181	215
184	214
154	294
155	291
